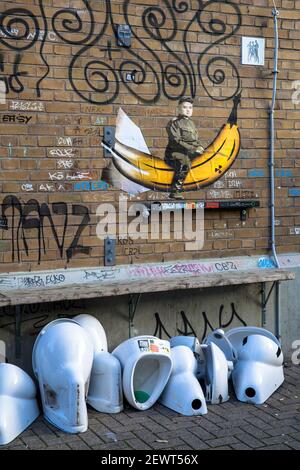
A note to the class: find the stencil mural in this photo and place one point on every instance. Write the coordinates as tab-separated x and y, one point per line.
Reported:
132	158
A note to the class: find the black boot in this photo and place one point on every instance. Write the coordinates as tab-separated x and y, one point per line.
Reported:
176	192
177	183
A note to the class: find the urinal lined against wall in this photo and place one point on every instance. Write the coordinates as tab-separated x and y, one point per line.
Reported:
95	330
215	383
105	392
183	392
146	364
212	367
236	335
220	339
194	345
62	361
259	369
18	403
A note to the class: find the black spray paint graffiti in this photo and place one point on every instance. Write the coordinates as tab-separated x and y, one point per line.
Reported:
224	321
15	118
36	316
32	216
33	281
12	82
146	79
172	80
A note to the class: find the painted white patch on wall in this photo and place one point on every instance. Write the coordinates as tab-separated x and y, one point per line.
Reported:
253	51
2	92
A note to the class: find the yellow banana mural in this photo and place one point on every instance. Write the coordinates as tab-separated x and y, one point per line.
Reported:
154	173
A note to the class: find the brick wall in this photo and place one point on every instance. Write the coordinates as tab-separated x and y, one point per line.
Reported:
65	77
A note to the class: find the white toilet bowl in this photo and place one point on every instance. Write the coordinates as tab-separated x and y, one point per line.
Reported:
183	392
259	370
62	362
146	363
18	404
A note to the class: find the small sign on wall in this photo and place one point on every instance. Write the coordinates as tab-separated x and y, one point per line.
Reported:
253	51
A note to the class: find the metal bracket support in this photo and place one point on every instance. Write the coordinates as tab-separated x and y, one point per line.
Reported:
109	139
110	252
134	300
264	301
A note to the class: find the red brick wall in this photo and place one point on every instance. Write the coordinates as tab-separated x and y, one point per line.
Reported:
45	84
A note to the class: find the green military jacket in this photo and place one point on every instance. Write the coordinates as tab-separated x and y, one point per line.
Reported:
183	138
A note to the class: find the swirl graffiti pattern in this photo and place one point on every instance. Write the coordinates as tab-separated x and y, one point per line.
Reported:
155	67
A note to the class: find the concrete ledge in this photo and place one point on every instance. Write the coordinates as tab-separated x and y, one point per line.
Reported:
134	286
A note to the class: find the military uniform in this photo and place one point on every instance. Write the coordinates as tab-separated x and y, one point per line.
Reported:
181	148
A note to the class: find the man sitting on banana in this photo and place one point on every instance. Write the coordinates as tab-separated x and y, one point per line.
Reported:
183	145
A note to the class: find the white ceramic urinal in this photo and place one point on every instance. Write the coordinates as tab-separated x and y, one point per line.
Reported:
236	335
259	370
62	361
105	391
183	392
219	338
189	341
193	343
216	374
147	364
96	331
18	404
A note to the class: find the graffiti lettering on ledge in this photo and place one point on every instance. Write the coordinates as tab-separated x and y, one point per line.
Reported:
21	217
28	282
158	28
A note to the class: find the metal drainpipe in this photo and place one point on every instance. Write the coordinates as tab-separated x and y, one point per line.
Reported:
275	14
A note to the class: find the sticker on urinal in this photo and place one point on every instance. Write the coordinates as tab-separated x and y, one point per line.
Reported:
159	346
144	345
154	346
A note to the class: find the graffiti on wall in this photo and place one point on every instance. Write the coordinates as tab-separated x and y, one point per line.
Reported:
21	218
36	316
187	329
13	81
146	79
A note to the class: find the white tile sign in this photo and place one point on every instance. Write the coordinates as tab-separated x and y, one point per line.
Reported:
253	51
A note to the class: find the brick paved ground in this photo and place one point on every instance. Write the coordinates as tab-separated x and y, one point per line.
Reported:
232	425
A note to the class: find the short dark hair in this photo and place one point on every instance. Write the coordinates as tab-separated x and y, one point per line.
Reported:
186	99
